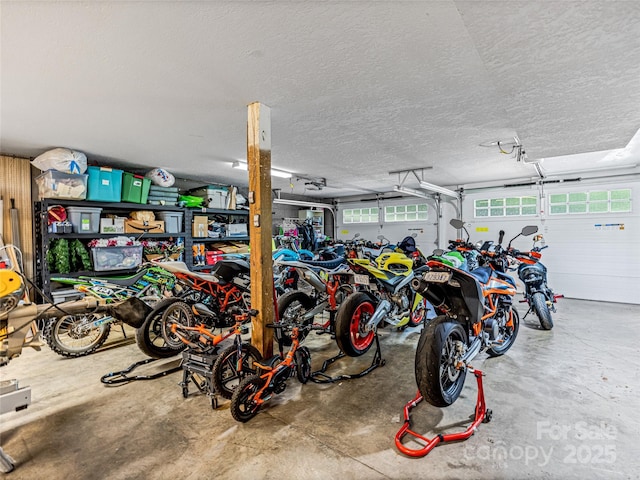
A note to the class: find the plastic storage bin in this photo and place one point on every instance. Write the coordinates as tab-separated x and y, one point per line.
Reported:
54	184
135	188
84	219
116	258
172	221
105	184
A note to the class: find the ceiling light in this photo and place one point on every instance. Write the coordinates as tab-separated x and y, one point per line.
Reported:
274	172
411	191
437	189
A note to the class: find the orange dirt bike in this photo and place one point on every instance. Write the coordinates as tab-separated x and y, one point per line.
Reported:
213	298
476	314
255	390
211	371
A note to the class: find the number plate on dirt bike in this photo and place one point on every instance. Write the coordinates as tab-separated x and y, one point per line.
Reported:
361	279
437	277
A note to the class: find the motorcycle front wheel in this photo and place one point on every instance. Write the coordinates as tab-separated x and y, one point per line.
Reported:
508	335
352	317
540	307
243	408
227	375
149	336
438	379
74	336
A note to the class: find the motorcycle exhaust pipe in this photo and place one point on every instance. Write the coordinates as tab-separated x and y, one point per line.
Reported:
435	295
314	280
383	308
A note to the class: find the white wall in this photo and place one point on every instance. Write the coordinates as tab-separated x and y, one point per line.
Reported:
583	261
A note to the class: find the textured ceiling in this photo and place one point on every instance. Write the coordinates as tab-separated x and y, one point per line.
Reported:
356	89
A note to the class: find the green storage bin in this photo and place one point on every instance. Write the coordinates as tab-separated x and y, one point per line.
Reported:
135	188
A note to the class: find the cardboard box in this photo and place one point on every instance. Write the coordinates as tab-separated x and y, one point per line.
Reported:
200	226
137	226
112	225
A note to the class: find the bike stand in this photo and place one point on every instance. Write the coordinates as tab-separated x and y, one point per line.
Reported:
319	376
482	415
198	368
114	378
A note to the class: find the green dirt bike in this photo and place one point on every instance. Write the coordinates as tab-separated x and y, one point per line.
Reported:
79	334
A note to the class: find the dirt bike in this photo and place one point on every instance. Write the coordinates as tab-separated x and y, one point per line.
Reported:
383	294
475	314
537	294
79	334
331	282
222	371
252	392
210	299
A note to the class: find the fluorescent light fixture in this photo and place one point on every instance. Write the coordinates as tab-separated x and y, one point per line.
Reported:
300	203
274	172
411	191
437	189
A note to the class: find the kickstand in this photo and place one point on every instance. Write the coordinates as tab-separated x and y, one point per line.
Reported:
114	378
319	376
482	415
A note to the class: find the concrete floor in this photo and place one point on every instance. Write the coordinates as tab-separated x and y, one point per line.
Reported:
565	405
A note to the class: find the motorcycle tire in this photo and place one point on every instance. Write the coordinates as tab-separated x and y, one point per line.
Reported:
149	336
178	312
352	316
226	376
540	307
303	364
292	306
243	408
439	382
509	337
65	336
418	313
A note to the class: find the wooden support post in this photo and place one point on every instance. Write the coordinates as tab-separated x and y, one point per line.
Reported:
259	165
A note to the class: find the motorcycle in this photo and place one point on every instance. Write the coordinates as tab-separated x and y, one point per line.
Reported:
537	294
331	282
383	294
213	299
476	314
79	334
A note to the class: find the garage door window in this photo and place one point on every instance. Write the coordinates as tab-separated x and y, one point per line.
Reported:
600	201
505	207
360	215
405	213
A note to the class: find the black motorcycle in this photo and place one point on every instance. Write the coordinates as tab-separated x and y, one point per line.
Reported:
537	294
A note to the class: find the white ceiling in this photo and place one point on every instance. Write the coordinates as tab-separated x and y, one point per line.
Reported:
356	88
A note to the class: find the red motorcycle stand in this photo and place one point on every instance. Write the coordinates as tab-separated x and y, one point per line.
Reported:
482	415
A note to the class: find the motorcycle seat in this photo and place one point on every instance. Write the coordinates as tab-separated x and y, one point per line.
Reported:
392	281
506	278
482	274
126	281
325	264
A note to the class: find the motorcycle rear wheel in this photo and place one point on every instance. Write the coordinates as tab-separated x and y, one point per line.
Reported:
438	379
149	336
243	408
540	307
509	335
353	315
226	376
68	337
292	306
